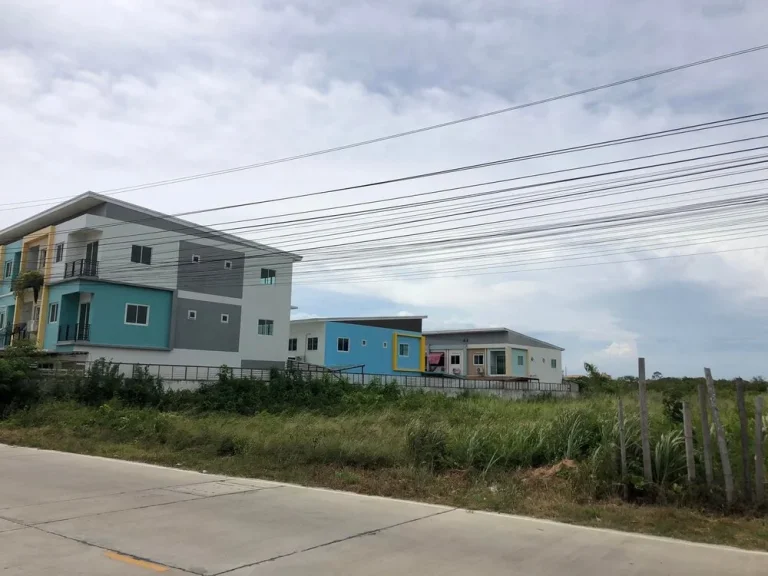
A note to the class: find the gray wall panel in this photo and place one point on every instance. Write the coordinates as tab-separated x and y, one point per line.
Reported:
207	332
210	276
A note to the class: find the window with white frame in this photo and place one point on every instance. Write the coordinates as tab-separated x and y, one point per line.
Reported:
404	350
137	314
478	359
191	314
41	258
141	254
364	342
342	344
2	318
53	312
8	269
312	343
268	276
293	344
59	252
521	360
385	344
225	319
455	359
196	258
553	363
266	327
228	264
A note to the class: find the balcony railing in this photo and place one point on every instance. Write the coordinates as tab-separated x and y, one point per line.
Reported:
74	332
13	332
82	267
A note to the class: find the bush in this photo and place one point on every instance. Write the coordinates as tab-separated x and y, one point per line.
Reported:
672	401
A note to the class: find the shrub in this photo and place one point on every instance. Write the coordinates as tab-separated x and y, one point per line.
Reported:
672	401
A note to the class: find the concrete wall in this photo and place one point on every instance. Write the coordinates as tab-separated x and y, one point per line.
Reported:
540	364
177	357
301	331
209	275
206	331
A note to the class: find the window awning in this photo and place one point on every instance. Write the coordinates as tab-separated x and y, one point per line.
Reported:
434	358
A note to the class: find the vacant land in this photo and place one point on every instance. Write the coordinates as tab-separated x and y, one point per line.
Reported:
553	459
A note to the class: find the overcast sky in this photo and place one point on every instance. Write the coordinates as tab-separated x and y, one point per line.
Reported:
97	96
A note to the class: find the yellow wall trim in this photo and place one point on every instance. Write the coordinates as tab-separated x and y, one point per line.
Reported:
422	352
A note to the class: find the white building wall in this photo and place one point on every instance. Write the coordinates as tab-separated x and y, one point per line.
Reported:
176	357
302	330
266	302
540	365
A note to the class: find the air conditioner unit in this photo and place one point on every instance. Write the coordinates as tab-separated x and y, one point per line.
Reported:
480	370
299	358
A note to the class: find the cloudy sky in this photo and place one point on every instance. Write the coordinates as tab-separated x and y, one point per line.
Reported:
99	96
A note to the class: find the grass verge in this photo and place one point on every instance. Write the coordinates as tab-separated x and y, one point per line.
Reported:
368	452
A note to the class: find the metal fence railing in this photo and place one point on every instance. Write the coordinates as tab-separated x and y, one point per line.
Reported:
200	374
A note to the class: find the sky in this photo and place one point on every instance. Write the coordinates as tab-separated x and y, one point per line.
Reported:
99	96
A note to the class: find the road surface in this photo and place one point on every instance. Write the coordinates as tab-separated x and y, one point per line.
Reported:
65	514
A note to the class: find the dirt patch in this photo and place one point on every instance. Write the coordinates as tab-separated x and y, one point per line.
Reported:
550	471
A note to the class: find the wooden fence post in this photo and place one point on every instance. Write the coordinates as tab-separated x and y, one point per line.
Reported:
725	460
706	444
759	457
746	475
644	425
623	448
688	431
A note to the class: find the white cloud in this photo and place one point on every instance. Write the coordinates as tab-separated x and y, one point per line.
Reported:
89	102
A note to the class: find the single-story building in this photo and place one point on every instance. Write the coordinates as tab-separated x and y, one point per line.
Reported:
381	345
493	352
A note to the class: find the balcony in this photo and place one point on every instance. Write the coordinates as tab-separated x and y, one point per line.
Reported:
74	333
82	268
13	332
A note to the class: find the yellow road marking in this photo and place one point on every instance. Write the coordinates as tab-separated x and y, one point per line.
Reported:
135	561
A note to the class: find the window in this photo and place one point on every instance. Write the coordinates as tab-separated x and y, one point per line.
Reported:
196	258
266	327
2	319
364	343
268	276
292	344
521	360
137	314
543	360
455	359
404	350
384	344
141	254
41	258
478	359
312	343
8	269
342	344
59	251
191	314
53	312
553	363
36	314
225	320
228	264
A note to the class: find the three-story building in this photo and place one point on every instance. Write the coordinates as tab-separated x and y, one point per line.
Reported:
133	285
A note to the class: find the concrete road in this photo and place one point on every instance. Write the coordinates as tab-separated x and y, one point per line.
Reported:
65	514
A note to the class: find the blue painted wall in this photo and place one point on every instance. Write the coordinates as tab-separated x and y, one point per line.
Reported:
107	318
413	360
12	254
376	358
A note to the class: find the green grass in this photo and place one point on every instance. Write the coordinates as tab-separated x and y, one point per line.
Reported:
477	452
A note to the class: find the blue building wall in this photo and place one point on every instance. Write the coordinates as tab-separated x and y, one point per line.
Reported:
377	352
12	254
107	317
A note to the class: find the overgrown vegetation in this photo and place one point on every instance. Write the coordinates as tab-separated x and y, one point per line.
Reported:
482	452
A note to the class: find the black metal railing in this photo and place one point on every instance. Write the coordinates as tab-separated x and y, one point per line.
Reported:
74	332
13	332
82	267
